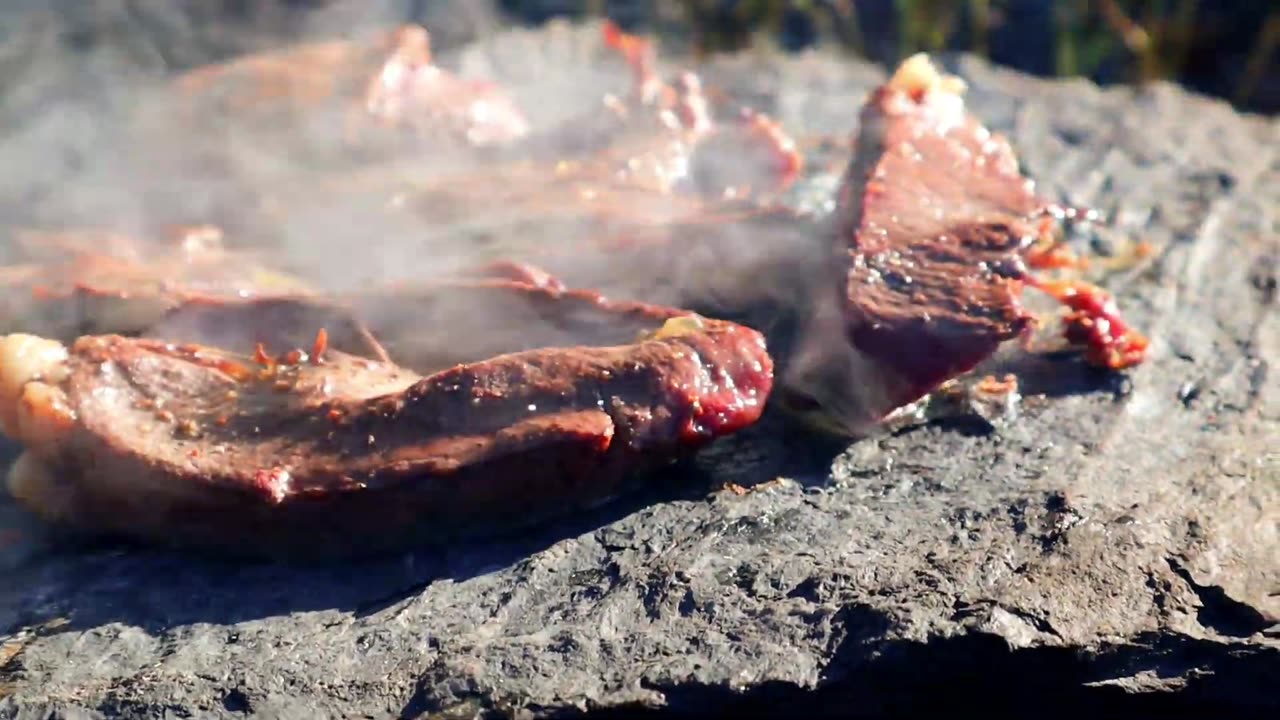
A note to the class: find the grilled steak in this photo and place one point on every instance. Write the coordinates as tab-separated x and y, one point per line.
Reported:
937	234
384	81
318	452
696	149
86	282
485	394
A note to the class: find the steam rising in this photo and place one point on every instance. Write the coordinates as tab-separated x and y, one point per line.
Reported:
104	139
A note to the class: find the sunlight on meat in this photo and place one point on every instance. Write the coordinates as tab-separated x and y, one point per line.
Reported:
677	327
917	74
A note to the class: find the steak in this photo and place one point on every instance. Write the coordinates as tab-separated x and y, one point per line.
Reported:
937	233
80	282
316	452
187	396
386	81
665	137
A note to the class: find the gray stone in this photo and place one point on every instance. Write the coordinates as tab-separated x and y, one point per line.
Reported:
1113	549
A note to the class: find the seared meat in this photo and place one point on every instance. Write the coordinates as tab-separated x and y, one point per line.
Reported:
937	232
165	395
85	282
321	452
386	80
411	91
668	136
934	214
752	154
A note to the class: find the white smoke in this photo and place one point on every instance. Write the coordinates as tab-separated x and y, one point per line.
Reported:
95	136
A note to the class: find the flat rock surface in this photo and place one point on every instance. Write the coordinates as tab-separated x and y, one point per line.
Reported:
1114	547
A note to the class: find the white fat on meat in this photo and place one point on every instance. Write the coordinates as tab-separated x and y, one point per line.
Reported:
33	406
918	74
924	85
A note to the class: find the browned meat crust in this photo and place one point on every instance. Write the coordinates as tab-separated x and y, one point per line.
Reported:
387	80
499	397
937	235
295	455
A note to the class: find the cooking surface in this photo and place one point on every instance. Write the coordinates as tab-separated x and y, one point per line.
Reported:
1135	519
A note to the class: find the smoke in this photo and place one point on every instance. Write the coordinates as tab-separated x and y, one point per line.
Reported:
98	133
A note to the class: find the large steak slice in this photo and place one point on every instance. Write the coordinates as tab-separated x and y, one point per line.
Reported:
314	452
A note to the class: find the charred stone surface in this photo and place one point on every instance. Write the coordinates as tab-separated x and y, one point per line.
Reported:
1112	550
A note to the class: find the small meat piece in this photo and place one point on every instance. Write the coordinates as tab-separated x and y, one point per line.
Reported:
520	272
750	155
639	53
681	101
1094	323
207	448
936	229
384	80
412	92
85	282
664	136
